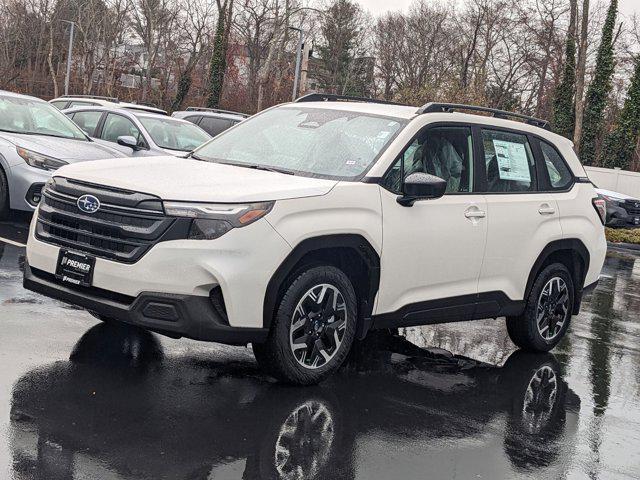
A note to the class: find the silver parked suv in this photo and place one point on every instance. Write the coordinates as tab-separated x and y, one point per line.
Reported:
36	139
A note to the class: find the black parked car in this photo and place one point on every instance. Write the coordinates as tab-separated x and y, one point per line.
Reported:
622	210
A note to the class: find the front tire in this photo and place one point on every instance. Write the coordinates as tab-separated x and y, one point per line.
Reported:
547	313
313	329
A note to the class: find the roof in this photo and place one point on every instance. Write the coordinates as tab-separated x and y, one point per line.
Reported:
410	113
119	109
7	93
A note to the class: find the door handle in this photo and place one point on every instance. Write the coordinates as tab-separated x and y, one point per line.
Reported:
546	210
475	214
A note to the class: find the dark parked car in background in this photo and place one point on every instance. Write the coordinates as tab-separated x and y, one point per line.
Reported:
211	120
622	210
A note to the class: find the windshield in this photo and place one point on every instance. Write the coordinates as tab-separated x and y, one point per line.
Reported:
174	135
309	141
35	117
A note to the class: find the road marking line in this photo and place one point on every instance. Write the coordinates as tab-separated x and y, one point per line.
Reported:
12	242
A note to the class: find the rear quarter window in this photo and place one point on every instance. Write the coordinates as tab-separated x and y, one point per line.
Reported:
560	177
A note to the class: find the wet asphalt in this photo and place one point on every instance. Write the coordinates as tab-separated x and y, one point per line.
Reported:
80	399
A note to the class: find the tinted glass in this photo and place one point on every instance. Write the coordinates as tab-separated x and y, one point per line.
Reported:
307	141
118	126
446	152
508	161
214	126
35	117
173	134
82	104
559	174
87	121
59	104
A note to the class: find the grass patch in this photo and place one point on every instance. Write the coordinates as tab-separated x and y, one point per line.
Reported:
625	235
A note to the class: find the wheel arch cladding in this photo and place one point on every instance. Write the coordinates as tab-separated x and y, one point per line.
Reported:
572	253
352	253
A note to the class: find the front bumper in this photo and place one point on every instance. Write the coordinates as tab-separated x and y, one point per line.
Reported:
22	179
173	315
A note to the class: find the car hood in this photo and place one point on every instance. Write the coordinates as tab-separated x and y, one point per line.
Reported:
186	179
65	149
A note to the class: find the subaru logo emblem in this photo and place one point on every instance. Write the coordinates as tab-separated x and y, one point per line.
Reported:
88	204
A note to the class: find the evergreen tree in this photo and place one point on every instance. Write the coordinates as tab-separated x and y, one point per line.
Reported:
563	105
599	89
620	144
340	27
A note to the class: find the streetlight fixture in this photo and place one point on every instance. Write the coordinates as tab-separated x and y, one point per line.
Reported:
296	78
66	80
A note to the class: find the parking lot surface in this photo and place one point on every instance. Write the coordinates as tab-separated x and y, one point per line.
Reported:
81	399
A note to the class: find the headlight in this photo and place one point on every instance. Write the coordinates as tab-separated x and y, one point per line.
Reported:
212	220
38	160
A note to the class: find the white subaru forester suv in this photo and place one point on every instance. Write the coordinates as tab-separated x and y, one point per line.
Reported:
307	225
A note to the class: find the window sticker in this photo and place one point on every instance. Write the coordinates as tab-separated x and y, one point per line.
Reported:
512	161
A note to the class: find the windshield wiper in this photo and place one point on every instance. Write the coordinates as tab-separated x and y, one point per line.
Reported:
266	169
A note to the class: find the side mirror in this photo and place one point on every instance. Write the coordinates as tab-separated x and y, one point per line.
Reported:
128	141
421	186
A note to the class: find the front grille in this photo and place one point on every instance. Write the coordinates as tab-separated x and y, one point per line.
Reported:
632	206
125	227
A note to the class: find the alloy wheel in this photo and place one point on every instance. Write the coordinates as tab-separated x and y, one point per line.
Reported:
539	399
553	308
304	442
318	325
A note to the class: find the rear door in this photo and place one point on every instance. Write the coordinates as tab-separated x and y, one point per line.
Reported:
522	217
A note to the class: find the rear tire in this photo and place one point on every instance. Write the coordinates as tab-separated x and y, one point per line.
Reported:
313	329
4	195
547	312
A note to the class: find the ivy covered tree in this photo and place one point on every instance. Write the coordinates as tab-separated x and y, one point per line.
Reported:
218	64
563	104
620	144
599	89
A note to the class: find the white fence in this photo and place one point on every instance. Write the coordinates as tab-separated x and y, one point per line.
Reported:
621	181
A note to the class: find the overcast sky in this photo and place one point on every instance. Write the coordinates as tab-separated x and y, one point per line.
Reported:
376	7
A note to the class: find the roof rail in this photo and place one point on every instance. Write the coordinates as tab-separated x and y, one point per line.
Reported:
433	107
215	110
95	97
332	97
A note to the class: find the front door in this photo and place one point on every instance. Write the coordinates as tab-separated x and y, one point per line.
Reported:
432	251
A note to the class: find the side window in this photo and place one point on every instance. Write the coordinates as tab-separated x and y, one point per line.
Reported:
508	161
446	152
213	126
82	104
116	126
560	176
87	121
193	118
60	104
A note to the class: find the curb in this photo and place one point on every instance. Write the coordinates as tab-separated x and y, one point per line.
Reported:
623	246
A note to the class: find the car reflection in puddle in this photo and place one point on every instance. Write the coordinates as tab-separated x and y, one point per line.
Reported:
121	409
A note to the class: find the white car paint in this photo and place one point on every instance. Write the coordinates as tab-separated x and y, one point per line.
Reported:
433	250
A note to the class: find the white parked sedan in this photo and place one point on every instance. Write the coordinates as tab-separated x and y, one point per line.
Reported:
136	133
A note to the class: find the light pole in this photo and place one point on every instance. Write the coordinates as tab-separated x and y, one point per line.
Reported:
296	77
66	80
